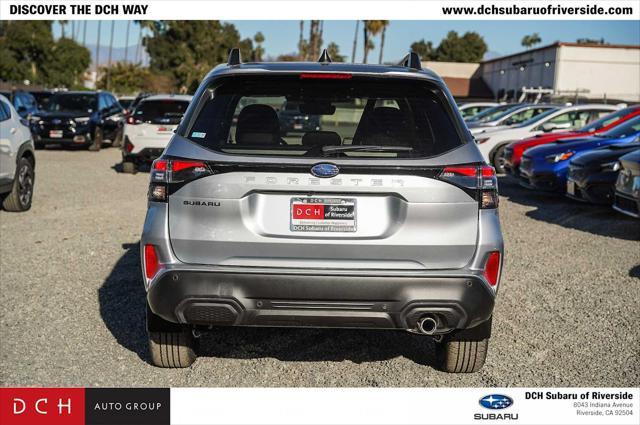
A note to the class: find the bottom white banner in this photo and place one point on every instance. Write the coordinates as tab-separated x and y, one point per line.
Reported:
404	406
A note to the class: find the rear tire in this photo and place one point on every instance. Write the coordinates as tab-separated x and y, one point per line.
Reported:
97	140
172	349
21	195
462	356
129	167
117	142
170	345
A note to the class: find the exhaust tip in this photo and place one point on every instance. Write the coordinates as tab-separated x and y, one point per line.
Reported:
427	325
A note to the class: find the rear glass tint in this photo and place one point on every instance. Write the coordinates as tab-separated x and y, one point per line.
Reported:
325	118
161	111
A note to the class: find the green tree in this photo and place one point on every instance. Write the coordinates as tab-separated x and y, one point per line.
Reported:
29	52
424	49
528	41
186	50
67	63
29	44
126	78
468	48
334	51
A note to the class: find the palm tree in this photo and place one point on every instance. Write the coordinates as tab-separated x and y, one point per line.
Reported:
301	41
62	25
98	48
529	41
84	34
113	23
126	42
259	50
371	29
384	30
355	43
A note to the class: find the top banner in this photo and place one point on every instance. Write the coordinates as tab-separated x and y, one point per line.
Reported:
322	9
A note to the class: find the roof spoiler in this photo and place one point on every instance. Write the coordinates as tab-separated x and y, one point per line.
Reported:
234	57
412	60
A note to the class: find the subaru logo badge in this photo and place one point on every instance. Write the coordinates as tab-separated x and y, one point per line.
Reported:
496	401
56	121
325	170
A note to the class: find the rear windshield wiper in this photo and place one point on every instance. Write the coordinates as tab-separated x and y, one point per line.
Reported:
366	148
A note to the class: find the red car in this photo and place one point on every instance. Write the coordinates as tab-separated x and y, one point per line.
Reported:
513	152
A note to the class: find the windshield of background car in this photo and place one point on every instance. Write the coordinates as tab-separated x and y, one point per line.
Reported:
607	120
493	113
160	111
72	103
362	116
537	118
625	129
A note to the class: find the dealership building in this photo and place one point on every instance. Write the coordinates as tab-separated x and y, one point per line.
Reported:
592	72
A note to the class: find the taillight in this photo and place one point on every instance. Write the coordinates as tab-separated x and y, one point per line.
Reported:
480	179
165	172
151	263
128	146
492	268
132	121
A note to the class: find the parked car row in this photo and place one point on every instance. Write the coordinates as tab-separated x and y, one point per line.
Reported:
597	163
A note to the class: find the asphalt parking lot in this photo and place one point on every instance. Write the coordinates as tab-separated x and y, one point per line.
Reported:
72	300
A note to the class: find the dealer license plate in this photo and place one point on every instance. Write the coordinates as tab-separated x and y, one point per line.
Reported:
323	215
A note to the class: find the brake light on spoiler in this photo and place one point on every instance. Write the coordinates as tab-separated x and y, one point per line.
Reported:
479	178
325	76
165	172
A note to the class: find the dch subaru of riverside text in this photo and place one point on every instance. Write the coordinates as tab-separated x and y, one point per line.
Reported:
384	217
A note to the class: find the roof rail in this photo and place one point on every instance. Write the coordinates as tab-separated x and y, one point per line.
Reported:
412	60
324	57
234	57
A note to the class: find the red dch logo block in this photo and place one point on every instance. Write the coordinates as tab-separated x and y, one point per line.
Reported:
308	212
42	406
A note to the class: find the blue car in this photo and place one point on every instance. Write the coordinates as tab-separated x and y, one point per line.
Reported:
545	167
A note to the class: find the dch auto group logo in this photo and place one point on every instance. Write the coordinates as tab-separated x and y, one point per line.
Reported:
46	406
495	402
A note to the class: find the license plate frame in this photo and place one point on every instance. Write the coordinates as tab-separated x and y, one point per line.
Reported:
571	187
323	214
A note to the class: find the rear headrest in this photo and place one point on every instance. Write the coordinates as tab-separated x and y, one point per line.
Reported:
322	138
258	125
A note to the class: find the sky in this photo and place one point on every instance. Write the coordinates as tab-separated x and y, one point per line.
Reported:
502	37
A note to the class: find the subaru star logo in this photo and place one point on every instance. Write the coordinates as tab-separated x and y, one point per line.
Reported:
325	170
496	401
56	121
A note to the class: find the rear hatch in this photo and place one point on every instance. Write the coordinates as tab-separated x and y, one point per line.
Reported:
153	122
341	197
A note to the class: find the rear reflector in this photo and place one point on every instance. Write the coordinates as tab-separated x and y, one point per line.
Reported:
492	268
151	264
324	76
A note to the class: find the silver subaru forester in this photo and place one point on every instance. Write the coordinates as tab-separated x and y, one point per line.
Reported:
380	214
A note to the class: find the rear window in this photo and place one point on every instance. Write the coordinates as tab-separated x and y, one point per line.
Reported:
355	117
72	103
161	111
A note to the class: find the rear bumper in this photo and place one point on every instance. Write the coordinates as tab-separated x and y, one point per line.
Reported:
144	155
315	300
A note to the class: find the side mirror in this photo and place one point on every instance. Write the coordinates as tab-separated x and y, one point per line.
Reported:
21	110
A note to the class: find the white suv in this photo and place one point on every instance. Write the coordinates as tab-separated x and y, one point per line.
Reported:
17	160
149	128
